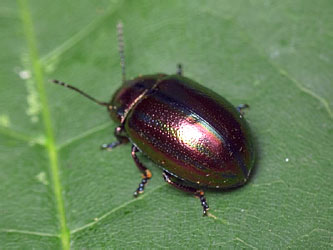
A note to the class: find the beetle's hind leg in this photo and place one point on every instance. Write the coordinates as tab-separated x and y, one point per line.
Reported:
198	193
146	174
241	108
120	140
179	69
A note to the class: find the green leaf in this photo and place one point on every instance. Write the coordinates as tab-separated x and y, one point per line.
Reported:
58	190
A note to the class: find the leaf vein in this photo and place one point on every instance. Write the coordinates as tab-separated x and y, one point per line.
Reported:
28	232
75	39
246	244
107	214
84	135
282	71
19	136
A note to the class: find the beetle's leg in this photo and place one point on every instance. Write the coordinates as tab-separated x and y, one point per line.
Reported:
120	139
179	69
198	193
241	107
146	174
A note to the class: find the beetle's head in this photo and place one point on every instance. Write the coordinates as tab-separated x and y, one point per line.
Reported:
129	94
125	97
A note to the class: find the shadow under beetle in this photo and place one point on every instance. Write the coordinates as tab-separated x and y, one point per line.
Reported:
196	136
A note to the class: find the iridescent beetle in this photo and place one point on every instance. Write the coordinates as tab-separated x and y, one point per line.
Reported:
196	136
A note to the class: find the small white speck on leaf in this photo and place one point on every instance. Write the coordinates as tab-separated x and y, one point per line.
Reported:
287	159
25	74
41	177
33	108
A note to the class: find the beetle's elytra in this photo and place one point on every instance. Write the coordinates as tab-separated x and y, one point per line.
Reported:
196	136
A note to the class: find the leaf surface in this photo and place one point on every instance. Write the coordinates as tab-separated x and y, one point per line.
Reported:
58	190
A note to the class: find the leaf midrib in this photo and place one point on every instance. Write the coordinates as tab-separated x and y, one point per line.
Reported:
46	117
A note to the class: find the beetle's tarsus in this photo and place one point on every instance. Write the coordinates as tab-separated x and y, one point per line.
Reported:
110	146
241	108
204	204
120	140
198	193
146	174
141	187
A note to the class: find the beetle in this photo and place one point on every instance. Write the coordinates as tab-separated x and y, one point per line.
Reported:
196	136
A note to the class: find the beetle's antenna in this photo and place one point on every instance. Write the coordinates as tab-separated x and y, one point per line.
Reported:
81	92
121	49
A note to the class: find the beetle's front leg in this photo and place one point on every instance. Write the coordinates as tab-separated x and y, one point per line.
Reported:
146	174
198	193
120	139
